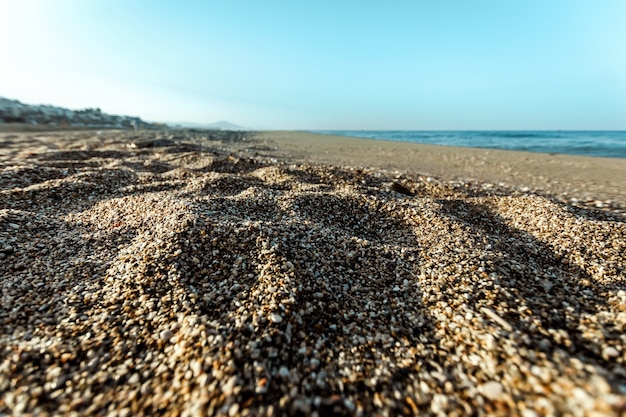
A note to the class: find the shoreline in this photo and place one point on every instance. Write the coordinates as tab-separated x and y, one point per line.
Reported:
331	133
596	180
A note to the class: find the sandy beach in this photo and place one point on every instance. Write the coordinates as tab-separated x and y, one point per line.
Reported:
286	273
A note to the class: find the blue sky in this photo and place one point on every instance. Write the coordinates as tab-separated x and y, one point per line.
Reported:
479	64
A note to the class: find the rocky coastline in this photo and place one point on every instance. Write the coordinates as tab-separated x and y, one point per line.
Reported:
16	112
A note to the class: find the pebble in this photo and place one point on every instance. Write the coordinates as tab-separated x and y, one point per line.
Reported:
166	335
527	412
609	352
233	410
492	390
283	372
276	318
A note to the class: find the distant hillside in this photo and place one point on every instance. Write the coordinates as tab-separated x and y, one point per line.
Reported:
13	111
221	125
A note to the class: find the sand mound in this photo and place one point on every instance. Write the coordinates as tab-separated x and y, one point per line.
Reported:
181	278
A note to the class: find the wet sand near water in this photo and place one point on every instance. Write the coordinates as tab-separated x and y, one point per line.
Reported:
591	180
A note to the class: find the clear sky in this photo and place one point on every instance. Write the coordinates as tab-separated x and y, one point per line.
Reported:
324	64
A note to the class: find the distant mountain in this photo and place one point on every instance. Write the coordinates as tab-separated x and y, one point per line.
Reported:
221	125
13	111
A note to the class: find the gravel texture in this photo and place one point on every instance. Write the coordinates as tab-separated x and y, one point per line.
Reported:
178	273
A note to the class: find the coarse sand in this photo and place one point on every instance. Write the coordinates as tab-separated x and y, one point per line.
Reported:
286	273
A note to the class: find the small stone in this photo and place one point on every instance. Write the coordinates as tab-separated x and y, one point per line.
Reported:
196	368
527	412
544	344
609	352
261	386
492	390
229	386
349	404
203	380
439	404
276	318
166	335
283	372
303	406
490	343
233	410
14	226
583	398
600	384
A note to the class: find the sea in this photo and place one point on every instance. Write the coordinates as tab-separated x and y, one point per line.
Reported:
611	144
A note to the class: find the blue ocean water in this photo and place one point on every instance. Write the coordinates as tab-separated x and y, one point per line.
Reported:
610	144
